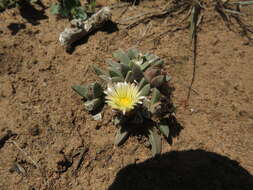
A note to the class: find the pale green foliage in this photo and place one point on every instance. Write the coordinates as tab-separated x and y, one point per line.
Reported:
146	71
71	9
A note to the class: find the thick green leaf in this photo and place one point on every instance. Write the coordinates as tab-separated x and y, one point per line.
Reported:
122	57
97	70
164	129
121	136
150	57
112	63
137	73
34	1
242	2
79	13
156	95
142	83
155	141
129	77
132	53
195	13
124	69
54	9
81	90
145	65
158	81
105	77
98	91
117	79
64	12
151	73
145	90
158	63
167	78
114	72
69	4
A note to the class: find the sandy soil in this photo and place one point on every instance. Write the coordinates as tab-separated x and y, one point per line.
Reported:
211	147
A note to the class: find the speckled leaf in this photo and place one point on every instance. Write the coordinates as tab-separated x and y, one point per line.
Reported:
112	63
145	65
98	91
117	79
142	83
145	90
164	129
113	72
129	77
137	73
97	70
155	141
121	136
158	81
243	2
105	77
151	73
158	63
150	57
124	69
81	90
121	56
133	53
156	95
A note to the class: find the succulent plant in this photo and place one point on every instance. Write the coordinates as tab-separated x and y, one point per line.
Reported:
135	89
93	95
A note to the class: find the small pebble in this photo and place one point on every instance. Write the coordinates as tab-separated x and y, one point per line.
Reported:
97	117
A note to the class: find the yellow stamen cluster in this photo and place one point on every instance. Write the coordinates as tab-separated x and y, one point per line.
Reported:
123	96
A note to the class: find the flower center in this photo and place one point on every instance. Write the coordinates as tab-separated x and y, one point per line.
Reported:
124	101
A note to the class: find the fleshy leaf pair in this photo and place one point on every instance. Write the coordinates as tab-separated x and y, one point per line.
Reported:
93	94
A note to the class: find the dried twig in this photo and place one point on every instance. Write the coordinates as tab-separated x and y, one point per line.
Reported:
143	17
195	16
16	144
6	137
79	163
144	33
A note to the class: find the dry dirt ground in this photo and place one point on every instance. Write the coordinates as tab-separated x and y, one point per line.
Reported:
211	147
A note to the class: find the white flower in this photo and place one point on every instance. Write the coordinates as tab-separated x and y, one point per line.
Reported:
123	96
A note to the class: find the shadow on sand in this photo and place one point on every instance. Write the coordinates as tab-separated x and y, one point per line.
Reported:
184	170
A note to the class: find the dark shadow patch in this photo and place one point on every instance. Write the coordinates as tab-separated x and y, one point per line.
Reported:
6	137
108	27
15	28
77	43
31	14
181	170
174	126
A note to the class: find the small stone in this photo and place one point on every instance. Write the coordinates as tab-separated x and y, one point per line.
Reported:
97	117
